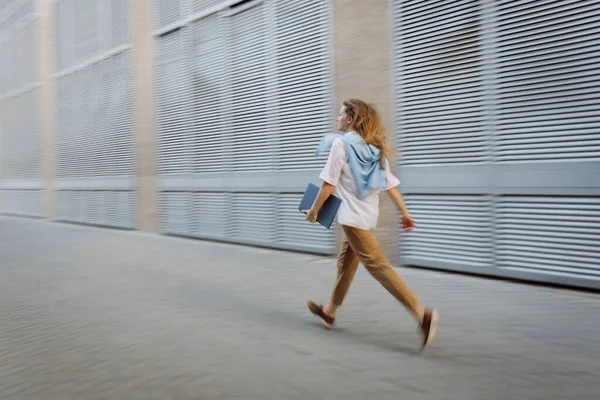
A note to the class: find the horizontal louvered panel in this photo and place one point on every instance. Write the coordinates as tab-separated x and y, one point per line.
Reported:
416	8
65	124
122	152
126	211
103	116
583	102
69	207
303	81
440	116
547	81
172	106
95	209
22	202
105	32
210	215
549	234
450	229
251	143
67	135
28	63
21	148
295	232
76	206
209	90
176	212
86	30
201	5
459	138
5	68
445	21
63	36
253	217
120	12
543	13
14	17
19	58
166	12
86	129
95	120
104	208
64	206
545	44
523	7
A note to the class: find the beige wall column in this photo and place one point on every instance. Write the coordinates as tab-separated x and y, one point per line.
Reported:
143	75
45	51
362	69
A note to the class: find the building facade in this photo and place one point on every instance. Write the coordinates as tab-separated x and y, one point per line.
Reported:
199	118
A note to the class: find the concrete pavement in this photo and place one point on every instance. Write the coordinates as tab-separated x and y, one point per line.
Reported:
88	313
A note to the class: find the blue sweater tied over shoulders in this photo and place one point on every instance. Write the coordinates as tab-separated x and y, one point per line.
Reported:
364	161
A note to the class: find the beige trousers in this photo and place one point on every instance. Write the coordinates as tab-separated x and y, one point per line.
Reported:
361	246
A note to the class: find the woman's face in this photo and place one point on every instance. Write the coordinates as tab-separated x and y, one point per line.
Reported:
343	120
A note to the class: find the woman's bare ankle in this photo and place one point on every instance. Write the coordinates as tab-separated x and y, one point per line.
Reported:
420	315
330	309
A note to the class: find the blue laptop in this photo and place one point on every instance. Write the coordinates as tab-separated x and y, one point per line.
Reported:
328	210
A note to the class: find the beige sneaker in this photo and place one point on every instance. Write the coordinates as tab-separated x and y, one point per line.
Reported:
429	327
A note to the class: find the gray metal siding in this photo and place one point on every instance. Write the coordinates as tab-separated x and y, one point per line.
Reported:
94	128
209	83
548	85
21	183
497	125
549	235
243	95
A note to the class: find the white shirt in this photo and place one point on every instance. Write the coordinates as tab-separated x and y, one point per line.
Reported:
354	212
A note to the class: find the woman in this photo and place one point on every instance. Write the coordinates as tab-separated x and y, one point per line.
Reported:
357	170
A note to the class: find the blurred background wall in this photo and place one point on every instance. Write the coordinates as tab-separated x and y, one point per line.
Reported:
199	118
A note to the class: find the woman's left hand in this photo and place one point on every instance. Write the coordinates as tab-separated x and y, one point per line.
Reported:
311	216
408	224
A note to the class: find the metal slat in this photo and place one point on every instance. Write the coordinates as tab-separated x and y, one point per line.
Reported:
557	234
418	7
201	5
524	6
536	22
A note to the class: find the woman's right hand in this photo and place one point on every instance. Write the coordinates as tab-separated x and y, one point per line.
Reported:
311	215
